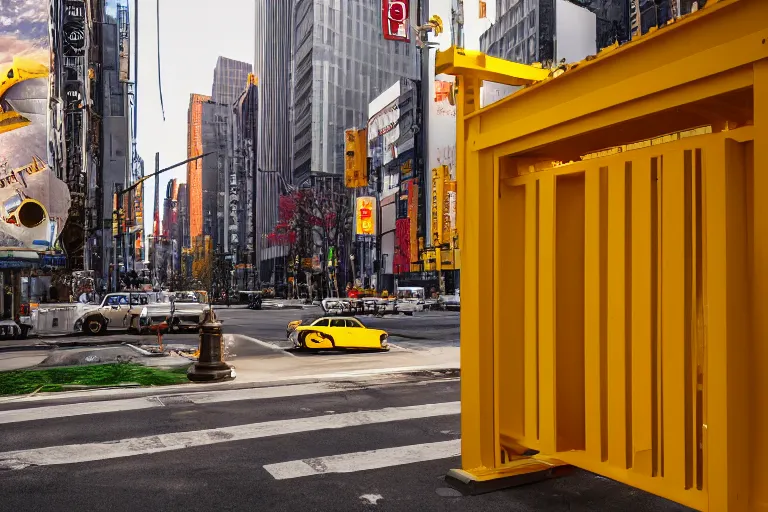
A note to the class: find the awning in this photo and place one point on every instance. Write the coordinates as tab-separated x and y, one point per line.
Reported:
11	258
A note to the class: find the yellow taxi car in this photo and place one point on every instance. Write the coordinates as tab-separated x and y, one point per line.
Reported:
336	332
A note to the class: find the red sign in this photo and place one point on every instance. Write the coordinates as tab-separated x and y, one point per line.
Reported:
365	213
402	260
394	19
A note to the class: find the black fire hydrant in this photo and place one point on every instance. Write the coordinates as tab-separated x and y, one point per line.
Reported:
210	366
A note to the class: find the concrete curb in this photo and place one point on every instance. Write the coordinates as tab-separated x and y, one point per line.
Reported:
404	376
22	348
42	344
69	344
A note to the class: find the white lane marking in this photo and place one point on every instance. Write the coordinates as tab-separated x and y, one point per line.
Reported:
131	447
266	344
362	461
132	404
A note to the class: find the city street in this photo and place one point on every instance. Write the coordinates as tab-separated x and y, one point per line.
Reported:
383	445
423	330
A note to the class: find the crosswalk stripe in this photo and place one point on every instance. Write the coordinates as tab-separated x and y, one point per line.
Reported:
63	411
362	461
133	404
76	453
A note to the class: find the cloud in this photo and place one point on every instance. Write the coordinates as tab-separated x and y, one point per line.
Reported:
11	46
30	11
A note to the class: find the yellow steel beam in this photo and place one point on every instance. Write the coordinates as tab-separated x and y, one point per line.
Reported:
458	61
709	45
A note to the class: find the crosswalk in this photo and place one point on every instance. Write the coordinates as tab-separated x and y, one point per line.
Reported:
327	446
328	412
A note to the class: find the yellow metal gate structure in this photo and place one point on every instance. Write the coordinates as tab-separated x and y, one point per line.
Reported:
614	227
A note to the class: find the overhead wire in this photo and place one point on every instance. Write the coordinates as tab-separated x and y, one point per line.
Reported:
159	81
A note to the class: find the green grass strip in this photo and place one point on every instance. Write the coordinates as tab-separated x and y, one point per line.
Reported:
19	382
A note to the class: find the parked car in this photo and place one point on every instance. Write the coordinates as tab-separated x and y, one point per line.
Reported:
183	312
329	332
114	312
410	300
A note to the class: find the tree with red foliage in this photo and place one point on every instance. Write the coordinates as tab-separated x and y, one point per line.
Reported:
312	220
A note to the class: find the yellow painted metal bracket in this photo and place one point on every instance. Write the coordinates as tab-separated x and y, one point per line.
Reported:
458	61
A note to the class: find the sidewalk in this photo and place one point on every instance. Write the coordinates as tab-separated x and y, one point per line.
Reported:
18	360
278	365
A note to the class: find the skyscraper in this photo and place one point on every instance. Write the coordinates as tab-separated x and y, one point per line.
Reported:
245	130
341	62
271	65
220	185
195	168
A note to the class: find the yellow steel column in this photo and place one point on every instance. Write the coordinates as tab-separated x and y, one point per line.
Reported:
546	325
477	419
759	355
728	334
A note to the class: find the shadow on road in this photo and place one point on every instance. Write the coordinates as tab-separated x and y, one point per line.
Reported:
330	352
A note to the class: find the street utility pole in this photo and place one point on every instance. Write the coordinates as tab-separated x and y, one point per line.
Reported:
119	192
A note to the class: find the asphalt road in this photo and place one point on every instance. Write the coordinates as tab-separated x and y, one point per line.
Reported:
304	447
423	330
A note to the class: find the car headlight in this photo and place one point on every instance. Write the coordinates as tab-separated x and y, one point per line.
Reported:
384	340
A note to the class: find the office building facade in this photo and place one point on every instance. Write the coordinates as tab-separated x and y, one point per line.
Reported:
272	68
229	79
341	62
242	197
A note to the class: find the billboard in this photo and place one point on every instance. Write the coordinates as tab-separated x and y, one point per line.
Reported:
366	216
413	215
395	20
34	202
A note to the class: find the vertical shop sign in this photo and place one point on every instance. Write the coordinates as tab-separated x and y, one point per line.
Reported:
366	216
394	20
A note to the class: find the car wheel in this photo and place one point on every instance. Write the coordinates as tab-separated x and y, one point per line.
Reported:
409	313
94	326
302	344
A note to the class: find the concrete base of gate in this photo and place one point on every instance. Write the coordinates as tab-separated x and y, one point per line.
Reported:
523	471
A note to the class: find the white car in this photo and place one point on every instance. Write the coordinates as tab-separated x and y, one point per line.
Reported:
113	313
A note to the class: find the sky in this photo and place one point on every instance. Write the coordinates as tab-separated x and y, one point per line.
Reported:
193	34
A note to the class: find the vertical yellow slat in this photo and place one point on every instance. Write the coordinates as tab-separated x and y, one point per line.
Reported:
642	335
500	377
531	312
593	327
617	374
673	320
546	313
509	314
